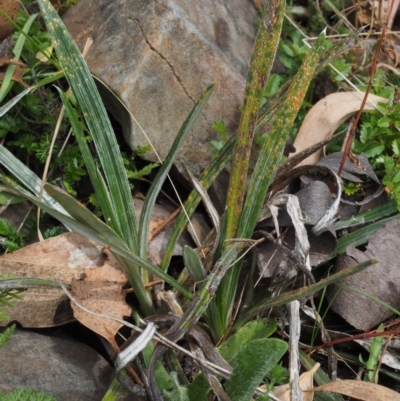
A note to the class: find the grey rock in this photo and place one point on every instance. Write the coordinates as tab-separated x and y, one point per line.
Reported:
159	56
63	367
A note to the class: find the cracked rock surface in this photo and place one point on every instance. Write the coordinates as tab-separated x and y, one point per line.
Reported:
159	56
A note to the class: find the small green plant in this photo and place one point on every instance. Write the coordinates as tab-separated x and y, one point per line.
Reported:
379	139
10	237
220	128
244	341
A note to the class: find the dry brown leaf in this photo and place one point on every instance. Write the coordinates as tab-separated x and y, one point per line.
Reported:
306	384
360	390
10	7
64	257
17	75
101	292
325	117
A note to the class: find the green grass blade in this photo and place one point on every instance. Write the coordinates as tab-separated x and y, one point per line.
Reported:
362	235
165	167
7	80
193	264
26	176
11	103
375	213
262	59
87	95
301	293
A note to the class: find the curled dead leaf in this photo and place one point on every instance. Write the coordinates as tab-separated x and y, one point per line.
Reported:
66	257
325	117
9	7
101	292
361	390
306	384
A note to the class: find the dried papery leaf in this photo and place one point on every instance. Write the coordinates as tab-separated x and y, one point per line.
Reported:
382	281
101	292
10	7
64	257
306	384
286	269
350	169
361	390
326	116
315	201
18	76
350	172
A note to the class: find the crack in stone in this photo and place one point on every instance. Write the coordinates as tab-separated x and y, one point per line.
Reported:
165	59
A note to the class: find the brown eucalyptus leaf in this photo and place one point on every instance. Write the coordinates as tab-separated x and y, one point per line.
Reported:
100	291
326	116
10	7
360	390
382	281
63	258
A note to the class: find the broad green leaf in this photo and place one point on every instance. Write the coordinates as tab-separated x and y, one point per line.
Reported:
163	379
193	264
7	83
253	361
254	330
199	388
178	392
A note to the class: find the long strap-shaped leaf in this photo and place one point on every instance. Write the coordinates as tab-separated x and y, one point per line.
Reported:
260	67
219	162
264	172
162	173
87	95
102	194
301	293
